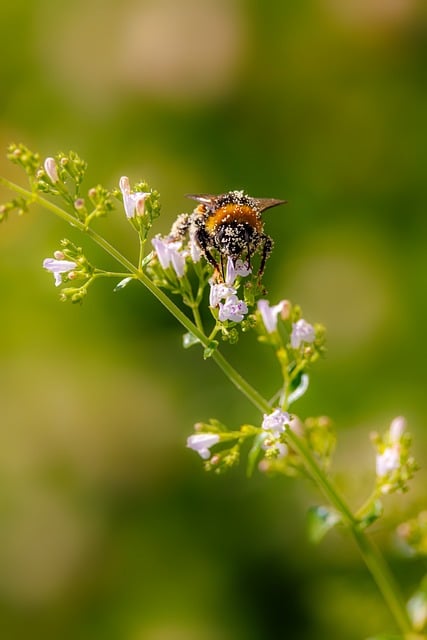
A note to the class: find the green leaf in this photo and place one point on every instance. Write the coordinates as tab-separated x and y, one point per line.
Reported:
417	606
374	512
320	520
254	454
189	339
210	350
122	284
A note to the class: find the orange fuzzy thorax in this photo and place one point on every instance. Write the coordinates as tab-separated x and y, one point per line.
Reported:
234	213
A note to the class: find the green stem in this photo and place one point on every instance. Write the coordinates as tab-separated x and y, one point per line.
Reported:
368	550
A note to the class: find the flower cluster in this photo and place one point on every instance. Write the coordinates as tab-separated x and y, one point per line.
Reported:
69	264
272	443
274	426
394	464
207	261
224	295
414	534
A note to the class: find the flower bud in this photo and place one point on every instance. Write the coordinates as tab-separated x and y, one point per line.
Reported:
51	170
397	428
285	313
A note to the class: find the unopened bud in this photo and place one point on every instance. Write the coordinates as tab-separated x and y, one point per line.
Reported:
58	255
285	313
397	428
51	170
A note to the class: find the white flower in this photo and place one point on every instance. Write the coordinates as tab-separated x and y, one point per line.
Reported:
51	169
57	267
201	442
239	268
269	314
302	331
397	428
388	461
242	268
233	309
133	203
169	253
275	421
219	292
195	249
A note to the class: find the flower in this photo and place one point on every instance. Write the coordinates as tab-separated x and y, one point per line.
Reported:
387	461
201	442
218	292
232	309
168	253
302	331
58	267
133	203
239	268
195	249
397	428
51	169
269	314
275	421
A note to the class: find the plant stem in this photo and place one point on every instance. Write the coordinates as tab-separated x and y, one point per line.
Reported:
371	555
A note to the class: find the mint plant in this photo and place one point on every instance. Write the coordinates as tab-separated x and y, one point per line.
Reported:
219	285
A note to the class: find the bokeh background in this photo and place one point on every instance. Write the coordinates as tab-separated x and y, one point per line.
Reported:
109	527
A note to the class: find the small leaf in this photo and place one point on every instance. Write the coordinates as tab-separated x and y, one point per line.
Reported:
189	339
122	284
417	607
300	389
254	454
374	512
320	521
210	350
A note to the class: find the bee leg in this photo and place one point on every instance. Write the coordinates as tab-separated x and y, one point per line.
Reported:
266	250
203	241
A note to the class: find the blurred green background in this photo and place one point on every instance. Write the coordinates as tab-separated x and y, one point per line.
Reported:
109	527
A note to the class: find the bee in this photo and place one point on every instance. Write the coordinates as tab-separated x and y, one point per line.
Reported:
231	225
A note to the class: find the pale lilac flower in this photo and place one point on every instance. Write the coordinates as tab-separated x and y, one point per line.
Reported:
201	442
388	461
242	268
51	169
269	314
177	259
169	253
219	292
195	249
397	428
302	331
58	267
275	421
133	203
234	269
233	309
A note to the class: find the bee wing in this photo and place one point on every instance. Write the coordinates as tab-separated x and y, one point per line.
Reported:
203	198
267	203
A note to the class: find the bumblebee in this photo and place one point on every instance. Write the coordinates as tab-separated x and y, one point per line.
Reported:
230	224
